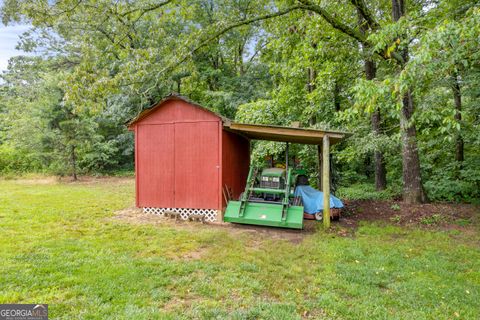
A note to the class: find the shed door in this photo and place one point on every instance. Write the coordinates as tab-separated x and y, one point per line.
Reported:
197	165
156	166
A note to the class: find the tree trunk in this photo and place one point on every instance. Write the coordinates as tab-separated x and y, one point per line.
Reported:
457	97
412	181
398	9
73	159
319	167
380	170
179	86
370	74
336	97
311	75
240	58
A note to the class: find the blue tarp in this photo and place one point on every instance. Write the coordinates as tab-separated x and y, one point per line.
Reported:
313	199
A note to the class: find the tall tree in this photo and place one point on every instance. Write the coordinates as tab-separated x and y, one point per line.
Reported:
370	74
457	98
419	68
412	181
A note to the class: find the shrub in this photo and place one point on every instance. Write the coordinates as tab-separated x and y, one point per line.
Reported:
445	187
16	160
366	191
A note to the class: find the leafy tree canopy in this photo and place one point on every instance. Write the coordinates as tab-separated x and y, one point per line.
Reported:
403	76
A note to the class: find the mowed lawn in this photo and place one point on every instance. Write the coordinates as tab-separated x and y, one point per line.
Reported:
62	244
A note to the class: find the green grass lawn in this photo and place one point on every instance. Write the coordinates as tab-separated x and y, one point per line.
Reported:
60	244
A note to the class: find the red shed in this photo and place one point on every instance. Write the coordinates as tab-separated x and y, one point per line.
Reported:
184	158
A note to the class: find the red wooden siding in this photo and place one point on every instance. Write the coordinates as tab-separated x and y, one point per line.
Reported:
197	165
183	157
137	201
178	110
155	168
235	162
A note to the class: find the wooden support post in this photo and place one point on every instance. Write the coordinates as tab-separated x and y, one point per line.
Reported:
319	166
326	181
286	157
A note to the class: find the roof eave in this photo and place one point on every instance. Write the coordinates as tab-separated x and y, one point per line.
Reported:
172	96
285	134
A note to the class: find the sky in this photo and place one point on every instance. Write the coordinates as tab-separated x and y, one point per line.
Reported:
9	36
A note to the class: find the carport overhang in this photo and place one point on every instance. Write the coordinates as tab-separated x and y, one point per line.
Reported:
322	138
285	134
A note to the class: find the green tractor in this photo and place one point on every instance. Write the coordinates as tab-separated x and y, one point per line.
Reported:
268	199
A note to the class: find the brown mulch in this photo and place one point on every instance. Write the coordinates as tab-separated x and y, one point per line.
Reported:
429	215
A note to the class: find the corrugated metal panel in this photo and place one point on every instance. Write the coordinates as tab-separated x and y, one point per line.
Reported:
235	162
155	165
197	165
285	134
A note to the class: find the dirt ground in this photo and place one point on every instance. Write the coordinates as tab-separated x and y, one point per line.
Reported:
428	215
136	215
431	216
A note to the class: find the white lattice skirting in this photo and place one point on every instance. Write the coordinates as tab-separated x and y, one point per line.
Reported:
209	214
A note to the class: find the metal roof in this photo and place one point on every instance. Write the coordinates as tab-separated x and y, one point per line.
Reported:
284	134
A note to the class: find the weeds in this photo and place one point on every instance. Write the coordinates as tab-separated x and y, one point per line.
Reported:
396	219
395	207
433	219
366	191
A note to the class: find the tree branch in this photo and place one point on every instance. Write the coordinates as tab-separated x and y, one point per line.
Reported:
366	14
356	34
305	5
335	23
110	38
131	25
148	9
236	25
216	35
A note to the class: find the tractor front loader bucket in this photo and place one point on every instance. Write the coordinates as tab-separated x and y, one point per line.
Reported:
265	214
